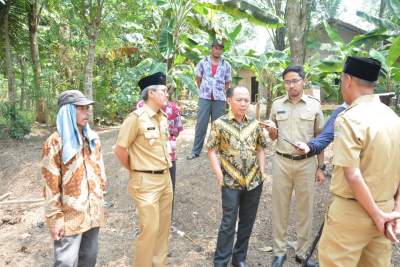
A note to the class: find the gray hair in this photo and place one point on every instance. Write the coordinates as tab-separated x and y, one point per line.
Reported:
145	92
364	83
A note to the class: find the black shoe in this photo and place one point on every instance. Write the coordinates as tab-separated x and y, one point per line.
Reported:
192	156
239	264
278	261
310	262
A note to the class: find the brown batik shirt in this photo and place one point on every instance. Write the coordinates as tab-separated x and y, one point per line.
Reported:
73	191
237	144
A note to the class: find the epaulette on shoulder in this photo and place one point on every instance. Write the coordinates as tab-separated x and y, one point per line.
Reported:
138	111
278	97
313	97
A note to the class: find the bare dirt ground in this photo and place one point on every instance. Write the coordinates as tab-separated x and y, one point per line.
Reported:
24	239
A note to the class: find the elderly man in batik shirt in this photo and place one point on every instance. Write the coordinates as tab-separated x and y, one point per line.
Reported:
240	143
73	170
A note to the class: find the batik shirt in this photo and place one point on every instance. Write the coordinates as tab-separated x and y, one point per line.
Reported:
74	190
237	144
175	125
213	85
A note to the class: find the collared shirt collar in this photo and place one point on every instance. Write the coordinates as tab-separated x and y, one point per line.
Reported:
208	58
365	99
232	117
303	98
151	112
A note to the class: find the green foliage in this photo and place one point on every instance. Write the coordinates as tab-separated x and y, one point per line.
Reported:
18	122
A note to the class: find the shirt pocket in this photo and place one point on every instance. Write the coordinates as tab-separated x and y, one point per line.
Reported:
282	120
152	136
307	120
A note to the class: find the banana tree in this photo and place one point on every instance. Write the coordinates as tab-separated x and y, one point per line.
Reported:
267	68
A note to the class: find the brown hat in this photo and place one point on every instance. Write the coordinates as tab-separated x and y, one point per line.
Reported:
362	67
74	97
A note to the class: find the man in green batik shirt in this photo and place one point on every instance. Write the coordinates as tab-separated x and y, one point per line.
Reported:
240	143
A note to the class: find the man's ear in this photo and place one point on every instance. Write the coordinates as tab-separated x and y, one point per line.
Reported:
229	100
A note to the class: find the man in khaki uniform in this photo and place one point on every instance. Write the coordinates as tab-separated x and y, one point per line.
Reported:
366	175
142	149
298	117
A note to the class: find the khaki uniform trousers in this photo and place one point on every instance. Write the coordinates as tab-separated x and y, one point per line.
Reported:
152	195
350	237
289	175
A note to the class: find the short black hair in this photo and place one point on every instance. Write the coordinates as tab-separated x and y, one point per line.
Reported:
229	92
294	68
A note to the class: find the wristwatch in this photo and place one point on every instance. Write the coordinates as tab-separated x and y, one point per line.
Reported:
322	167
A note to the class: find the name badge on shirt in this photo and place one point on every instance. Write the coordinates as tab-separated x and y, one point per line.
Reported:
281	111
151	128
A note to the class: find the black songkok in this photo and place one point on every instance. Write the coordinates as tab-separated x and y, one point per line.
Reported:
364	68
154	79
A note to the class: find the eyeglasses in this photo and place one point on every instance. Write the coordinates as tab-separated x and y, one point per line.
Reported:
164	91
289	82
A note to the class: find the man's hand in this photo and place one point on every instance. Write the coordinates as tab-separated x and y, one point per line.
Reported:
319	176
268	124
382	219
57	231
392	229
301	148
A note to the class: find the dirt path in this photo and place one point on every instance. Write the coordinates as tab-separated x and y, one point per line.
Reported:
24	239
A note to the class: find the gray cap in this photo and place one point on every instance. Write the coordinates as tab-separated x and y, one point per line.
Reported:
74	97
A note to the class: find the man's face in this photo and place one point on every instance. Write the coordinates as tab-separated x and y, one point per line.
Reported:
160	95
294	84
216	51
82	115
239	101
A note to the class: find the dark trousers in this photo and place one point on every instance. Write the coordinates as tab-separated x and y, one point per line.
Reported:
234	201
207	108
172	172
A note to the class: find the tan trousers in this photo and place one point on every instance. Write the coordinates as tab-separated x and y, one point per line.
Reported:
152	194
288	176
350	238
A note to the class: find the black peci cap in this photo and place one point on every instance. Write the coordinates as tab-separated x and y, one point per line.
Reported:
362	67
157	78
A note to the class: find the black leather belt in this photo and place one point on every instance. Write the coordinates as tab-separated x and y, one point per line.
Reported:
294	157
152	172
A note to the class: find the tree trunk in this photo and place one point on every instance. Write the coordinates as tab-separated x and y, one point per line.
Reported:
279	42
88	75
382	8
9	63
91	15
22	99
33	23
297	22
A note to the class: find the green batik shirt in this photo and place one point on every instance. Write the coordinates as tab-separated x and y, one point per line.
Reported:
237	144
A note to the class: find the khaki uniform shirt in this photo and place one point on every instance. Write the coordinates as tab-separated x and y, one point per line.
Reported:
145	134
296	122
367	136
